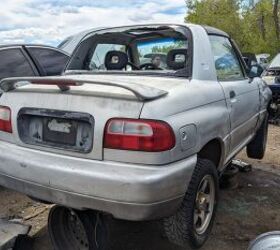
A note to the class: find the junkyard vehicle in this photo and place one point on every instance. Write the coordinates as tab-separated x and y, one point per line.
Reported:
272	76
250	58
263	59
138	142
31	60
253	63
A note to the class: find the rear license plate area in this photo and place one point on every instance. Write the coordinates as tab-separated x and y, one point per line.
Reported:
60	131
56	129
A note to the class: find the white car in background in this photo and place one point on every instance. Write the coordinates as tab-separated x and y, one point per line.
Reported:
263	60
271	76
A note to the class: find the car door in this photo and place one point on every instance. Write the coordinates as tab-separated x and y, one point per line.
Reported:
49	61
15	63
241	93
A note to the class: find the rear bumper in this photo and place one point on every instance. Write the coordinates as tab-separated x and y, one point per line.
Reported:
127	191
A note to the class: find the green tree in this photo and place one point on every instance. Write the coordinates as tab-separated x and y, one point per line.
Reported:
254	25
260	35
276	19
222	14
165	49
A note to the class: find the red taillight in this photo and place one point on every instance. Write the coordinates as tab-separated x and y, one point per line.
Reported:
5	119
140	135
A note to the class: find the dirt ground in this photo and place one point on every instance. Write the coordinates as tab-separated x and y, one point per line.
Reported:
243	213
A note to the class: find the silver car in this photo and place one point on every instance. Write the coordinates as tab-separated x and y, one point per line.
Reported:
136	141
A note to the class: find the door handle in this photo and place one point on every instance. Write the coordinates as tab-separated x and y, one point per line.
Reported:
232	94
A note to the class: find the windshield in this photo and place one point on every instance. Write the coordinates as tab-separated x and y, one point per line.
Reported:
275	62
156	51
137	50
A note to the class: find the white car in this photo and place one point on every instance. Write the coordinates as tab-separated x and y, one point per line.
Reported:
135	141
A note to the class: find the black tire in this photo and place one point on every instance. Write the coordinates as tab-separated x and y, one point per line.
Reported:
89	230
180	228
257	147
228	178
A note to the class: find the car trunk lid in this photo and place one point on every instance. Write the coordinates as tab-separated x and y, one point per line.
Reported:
65	83
69	122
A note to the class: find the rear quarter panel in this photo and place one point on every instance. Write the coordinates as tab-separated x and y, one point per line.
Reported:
197	108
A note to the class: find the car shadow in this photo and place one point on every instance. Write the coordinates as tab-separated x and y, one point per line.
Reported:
123	235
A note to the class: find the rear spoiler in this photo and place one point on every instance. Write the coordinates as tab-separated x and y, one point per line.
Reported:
142	92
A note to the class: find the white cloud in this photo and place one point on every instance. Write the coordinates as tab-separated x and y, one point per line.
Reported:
50	21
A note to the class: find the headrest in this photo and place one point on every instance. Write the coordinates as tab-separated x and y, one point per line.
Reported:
177	58
116	60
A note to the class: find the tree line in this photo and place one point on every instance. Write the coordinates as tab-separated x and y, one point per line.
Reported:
253	24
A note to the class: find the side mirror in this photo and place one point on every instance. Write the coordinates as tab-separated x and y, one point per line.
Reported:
255	71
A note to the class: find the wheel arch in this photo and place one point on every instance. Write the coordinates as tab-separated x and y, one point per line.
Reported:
213	150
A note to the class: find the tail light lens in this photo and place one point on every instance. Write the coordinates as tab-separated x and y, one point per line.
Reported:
5	119
139	135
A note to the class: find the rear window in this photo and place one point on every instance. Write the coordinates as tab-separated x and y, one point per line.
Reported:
14	64
148	50
52	62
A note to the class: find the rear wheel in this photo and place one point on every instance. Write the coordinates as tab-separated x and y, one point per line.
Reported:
192	223
256	148
76	230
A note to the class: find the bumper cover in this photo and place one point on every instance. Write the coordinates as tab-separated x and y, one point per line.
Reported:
127	191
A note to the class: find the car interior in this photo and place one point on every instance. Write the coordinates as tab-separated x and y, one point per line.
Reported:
132	50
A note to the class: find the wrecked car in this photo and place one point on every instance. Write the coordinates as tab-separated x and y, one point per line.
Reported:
272	76
263	59
31	60
137	141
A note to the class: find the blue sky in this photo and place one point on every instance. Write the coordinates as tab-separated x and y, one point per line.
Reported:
50	21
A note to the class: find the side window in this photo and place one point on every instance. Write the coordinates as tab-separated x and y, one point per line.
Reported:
53	62
97	61
226	59
14	64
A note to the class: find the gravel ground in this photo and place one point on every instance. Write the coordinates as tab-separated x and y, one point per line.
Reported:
243	213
